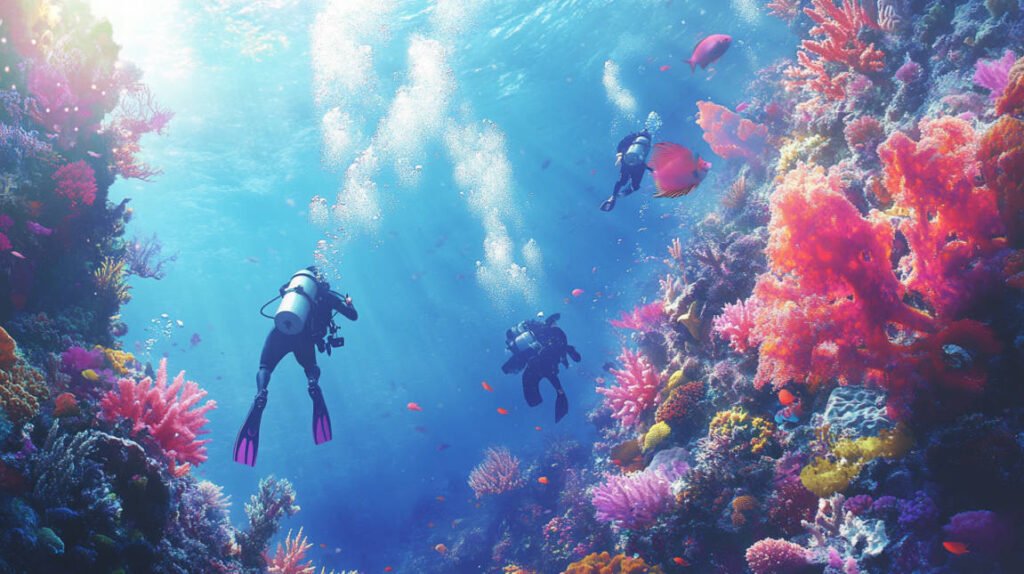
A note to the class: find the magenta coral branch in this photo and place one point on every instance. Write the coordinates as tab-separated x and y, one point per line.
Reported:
636	390
641	318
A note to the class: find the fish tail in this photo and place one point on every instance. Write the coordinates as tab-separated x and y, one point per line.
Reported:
693	65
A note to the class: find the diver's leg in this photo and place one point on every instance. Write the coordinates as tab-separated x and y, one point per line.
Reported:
275	347
609	203
247	443
306	356
561	401
635	176
531	386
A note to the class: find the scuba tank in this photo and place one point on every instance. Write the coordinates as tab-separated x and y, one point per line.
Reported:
296	302
637	151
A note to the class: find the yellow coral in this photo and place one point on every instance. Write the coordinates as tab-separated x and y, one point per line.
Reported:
109	278
799	148
117	359
675	380
657	433
738	426
825	476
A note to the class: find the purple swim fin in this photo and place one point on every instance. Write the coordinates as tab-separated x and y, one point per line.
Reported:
248	442
321	418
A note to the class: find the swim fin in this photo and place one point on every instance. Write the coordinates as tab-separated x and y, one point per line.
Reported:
608	204
248	442
561	406
321	418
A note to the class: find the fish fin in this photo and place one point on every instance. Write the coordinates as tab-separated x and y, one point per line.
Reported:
693	66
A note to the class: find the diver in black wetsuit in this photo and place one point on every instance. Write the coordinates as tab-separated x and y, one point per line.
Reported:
313	336
631	157
537	349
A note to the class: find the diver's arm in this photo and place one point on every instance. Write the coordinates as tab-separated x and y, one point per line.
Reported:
344	306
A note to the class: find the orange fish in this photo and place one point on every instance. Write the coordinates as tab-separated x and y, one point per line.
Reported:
502	411
680	561
439	498
430	524
786	398
543	480
487	387
576	292
665	68
322	545
958	548
414	407
441	548
388	569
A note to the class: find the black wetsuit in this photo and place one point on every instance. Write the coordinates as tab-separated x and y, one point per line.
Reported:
304	344
542	364
630	173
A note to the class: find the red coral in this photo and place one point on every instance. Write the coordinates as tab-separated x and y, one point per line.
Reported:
954	230
680	402
977	340
65	405
641	318
730	135
784	9
1002	164
838	43
1012	100
77	182
288	560
173	420
863	134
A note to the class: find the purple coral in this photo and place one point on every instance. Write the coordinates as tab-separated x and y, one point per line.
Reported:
980	530
633	500
909	72
145	260
994	75
775	556
77	359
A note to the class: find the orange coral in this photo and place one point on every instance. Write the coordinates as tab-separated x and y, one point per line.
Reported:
21	386
604	563
1012	100
740	505
7	350
65	405
1002	164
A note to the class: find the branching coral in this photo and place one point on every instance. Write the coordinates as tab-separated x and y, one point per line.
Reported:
136	115
641	318
604	563
994	75
633	500
837	32
274	500
735	324
287	559
636	389
170	414
787	10
498	473
76	182
731	136
109	279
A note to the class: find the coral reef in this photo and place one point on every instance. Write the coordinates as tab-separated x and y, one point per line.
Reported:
498	473
605	563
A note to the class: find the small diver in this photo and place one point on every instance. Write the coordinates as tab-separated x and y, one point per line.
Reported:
538	347
304	322
631	157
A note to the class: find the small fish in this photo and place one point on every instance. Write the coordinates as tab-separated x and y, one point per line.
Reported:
537	428
439	498
680	561
430	524
486	386
958	548
17	254
93	154
665	68
322	545
709	50
90	375
576	292
502	411
599	380
443	447
786	398
441	549
414	407
388	569
543	480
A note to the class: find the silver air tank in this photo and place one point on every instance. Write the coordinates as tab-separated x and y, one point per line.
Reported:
637	152
296	303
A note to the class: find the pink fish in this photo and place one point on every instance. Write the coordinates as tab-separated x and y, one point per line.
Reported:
37	229
665	68
741	107
577	292
17	254
709	50
677	171
414	407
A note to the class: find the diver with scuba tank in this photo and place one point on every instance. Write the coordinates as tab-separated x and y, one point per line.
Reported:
537	349
631	157
303	324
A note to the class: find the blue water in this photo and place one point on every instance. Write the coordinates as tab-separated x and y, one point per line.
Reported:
244	156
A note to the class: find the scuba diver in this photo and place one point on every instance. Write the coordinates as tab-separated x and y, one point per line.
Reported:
537	349
304	321
631	157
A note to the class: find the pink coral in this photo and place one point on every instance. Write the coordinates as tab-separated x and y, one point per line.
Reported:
730	135
837	45
633	500
909	72
787	10
137	114
641	318
775	556
287	560
169	414
954	229
5	243
77	182
994	75
735	324
863	134
636	391
498	473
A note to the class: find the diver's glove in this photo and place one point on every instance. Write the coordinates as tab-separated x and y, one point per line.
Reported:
573	353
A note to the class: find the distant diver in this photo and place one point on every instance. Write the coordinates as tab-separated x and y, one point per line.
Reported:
304	321
631	157
537	349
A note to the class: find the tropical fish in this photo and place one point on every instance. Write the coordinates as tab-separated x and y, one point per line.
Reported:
543	480
388	569
90	375
486	386
441	548
502	411
17	254
786	398
443	447
709	50
537	428
958	548
665	68
37	229
680	561
677	170
439	498
414	407
577	292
